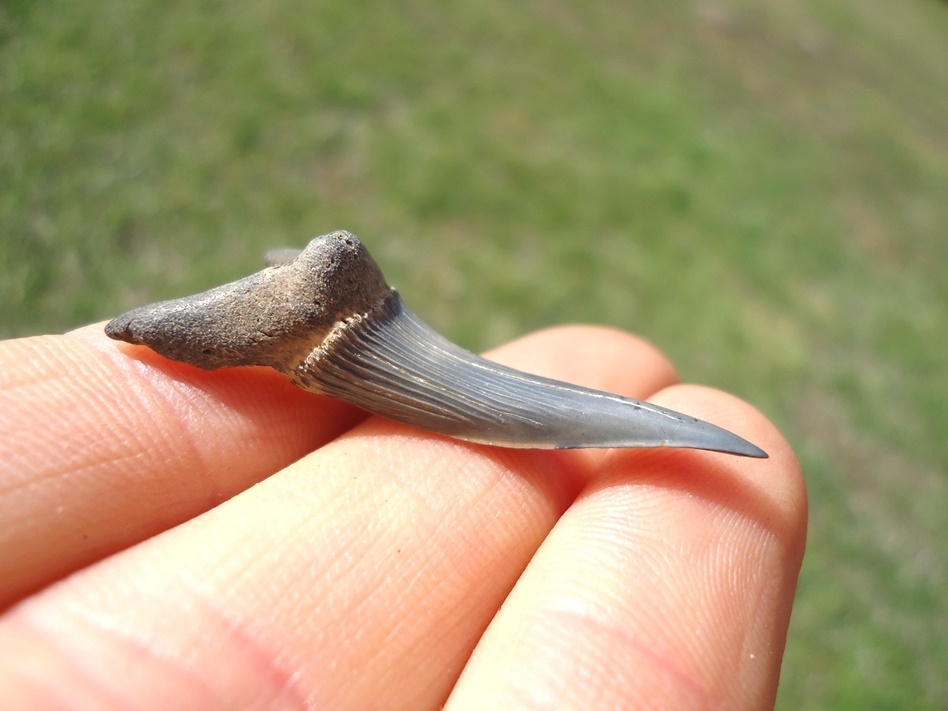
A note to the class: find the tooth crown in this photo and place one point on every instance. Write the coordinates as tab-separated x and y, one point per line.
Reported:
388	361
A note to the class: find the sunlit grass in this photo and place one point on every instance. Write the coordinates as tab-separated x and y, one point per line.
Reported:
759	188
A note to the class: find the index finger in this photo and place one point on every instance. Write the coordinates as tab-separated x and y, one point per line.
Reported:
102	450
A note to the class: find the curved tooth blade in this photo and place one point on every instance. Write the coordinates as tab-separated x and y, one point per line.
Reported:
392	364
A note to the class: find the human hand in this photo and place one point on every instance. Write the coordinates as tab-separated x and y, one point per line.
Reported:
200	565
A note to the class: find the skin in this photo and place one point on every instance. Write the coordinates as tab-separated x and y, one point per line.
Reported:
177	538
327	320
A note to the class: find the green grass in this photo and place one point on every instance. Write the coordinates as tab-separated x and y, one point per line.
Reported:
758	187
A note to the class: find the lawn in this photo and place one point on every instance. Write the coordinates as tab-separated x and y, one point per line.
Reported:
757	187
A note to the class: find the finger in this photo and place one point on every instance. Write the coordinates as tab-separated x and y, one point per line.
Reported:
105	445
667	585
360	576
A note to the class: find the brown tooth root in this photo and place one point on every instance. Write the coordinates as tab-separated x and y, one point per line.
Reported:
326	319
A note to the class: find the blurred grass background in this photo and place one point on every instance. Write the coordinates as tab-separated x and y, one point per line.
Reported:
760	188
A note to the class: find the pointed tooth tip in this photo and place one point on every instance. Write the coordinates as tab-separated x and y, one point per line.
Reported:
729	443
736	446
746	449
698	434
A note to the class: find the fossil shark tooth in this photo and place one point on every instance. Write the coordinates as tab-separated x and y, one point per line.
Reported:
326	318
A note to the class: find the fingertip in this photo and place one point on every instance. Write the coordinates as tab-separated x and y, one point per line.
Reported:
108	444
775	485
